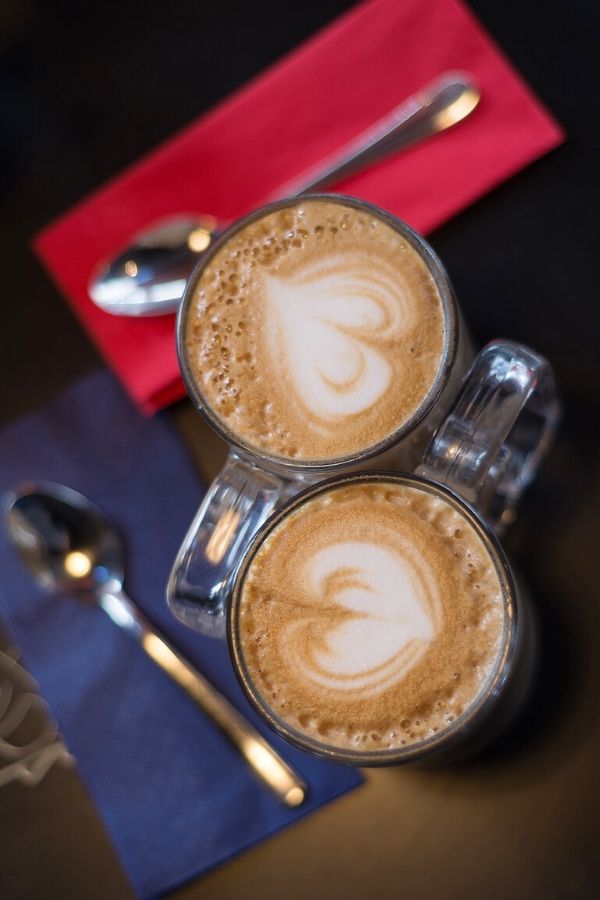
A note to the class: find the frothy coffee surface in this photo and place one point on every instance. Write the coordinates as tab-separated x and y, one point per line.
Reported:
371	617
315	331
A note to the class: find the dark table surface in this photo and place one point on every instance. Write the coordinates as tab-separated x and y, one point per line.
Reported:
86	89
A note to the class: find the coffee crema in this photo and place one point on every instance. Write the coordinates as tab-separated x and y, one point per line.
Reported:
315	331
371	617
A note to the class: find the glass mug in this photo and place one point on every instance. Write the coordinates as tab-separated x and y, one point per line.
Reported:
254	482
484	453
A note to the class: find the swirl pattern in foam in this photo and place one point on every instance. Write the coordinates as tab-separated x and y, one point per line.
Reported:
315	331
390	614
371	617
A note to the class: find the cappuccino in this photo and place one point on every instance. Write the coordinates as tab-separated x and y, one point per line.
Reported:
370	618
315	331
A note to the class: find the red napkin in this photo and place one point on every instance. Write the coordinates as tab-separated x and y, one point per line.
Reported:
299	111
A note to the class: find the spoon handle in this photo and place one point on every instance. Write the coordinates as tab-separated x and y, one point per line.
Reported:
436	107
257	752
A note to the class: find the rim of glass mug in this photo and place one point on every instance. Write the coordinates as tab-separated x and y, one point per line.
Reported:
447	360
465	723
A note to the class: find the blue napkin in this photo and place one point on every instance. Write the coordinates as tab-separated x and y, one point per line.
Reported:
173	794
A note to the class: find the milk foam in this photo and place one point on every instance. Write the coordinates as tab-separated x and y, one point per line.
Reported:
371	616
323	326
315	331
394	612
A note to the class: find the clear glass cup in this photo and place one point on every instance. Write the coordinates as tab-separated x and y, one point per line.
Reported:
253	482
479	461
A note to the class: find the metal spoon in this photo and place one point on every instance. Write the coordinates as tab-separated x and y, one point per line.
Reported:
71	547
148	278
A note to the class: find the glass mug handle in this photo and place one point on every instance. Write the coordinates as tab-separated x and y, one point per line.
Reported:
501	424
237	503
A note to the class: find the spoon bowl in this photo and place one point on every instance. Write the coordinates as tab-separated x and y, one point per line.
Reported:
66	542
148	277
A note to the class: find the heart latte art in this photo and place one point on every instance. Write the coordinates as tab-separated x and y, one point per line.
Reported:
370	617
387	613
315	331
326	328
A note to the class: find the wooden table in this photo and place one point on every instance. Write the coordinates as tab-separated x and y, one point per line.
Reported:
523	821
